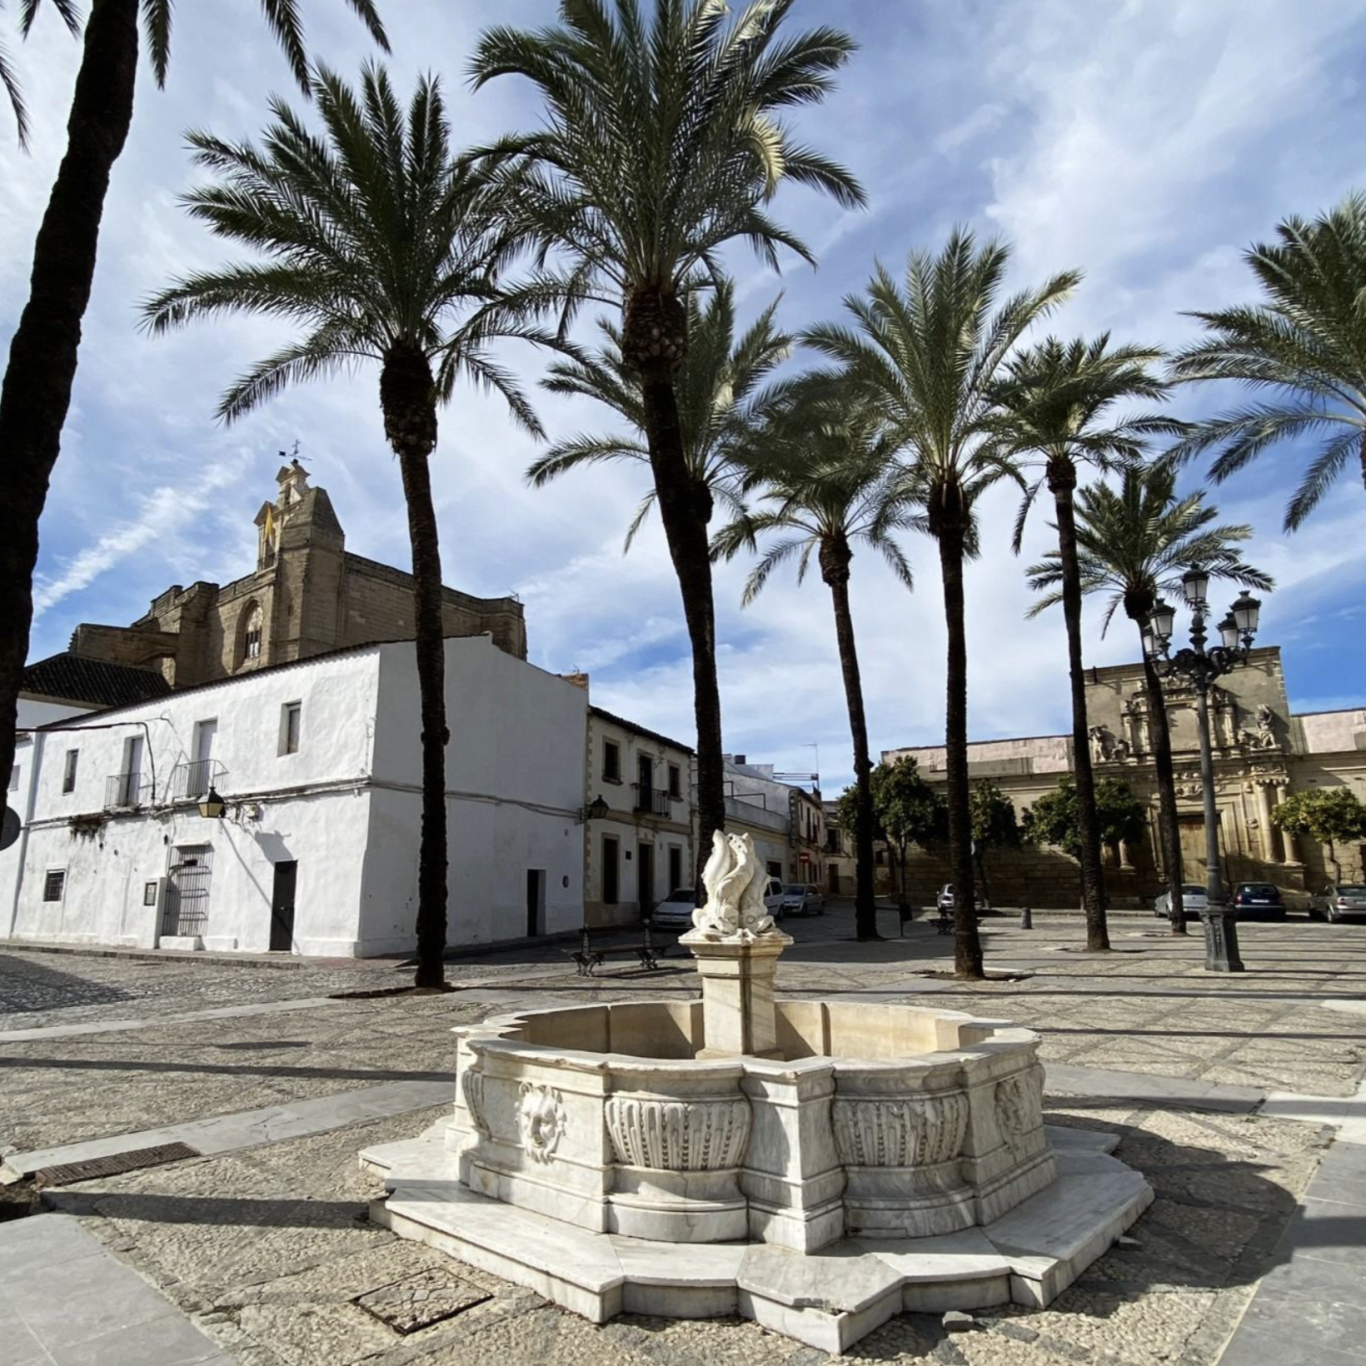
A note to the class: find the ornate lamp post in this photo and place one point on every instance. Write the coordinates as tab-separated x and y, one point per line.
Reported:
1200	667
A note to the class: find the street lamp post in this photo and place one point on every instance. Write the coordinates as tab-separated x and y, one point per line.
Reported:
1200	667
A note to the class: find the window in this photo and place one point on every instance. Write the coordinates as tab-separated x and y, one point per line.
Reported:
611	761
675	866
54	884
675	781
69	770
291	718
252	621
14	778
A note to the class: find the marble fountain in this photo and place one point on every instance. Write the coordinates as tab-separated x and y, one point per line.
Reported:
817	1166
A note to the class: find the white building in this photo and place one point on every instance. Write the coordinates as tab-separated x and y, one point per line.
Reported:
319	764
786	821
641	849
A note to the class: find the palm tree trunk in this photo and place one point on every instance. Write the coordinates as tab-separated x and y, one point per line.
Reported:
36	393
967	946
1062	480
685	510
408	398
1169	831
835	558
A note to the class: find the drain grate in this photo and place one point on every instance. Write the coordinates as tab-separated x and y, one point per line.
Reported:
65	1173
420	1300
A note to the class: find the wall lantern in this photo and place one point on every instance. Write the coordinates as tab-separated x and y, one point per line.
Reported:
211	806
595	810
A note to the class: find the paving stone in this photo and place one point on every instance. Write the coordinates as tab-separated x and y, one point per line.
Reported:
422	1299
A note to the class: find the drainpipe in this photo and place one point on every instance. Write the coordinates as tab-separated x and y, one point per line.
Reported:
21	846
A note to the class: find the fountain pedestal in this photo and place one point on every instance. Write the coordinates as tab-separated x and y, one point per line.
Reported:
738	1016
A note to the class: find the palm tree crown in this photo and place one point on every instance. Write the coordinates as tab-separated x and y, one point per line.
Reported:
282	18
1304	345
930	356
718	387
828	481
1134	543
378	240
662	141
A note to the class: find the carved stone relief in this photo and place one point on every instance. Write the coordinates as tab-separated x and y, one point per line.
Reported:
540	1117
909	1131
678	1136
472	1092
1019	1105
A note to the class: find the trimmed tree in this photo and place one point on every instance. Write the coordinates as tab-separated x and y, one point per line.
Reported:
994	826
908	810
1330	815
1055	818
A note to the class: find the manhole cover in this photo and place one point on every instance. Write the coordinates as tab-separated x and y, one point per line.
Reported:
422	1299
65	1173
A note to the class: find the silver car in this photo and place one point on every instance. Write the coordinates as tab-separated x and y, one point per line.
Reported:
802	898
675	911
1193	899
1340	902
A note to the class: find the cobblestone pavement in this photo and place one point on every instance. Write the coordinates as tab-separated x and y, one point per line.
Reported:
269	1249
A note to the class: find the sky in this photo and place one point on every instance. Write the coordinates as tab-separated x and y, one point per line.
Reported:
1146	142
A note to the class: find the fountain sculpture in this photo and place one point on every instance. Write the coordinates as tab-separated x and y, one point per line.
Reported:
815	1165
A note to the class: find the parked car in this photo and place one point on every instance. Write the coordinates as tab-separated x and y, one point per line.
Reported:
1340	902
1193	900
773	898
1251	898
943	903
803	898
675	911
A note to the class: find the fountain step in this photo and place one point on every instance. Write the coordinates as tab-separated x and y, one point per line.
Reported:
828	1299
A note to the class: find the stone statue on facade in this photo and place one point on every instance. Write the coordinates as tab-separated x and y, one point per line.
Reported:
1123	750
1100	744
1266	728
735	881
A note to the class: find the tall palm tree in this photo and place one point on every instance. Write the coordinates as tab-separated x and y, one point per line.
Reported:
717	386
1134	543
1304	344
826	474
928	357
380	245
662	143
1055	406
36	391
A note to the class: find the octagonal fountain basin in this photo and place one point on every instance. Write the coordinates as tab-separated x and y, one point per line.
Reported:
882	1120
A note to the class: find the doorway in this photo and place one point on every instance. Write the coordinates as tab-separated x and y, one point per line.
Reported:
535	902
645	878
186	913
675	868
282	906
200	775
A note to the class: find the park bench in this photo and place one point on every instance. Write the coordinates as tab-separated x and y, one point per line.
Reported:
590	954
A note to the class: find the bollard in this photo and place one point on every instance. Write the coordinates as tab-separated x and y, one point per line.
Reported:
1221	940
1026	918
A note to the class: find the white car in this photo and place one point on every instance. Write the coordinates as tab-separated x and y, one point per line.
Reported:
675	911
1193	901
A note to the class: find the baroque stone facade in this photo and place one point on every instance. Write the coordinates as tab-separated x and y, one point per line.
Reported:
307	595
1262	753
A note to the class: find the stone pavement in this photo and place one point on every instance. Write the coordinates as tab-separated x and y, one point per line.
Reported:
64	1301
267	1249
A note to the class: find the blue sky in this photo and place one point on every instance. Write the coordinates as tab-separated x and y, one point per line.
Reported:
1144	141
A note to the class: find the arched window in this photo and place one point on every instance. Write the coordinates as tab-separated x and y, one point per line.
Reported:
252	620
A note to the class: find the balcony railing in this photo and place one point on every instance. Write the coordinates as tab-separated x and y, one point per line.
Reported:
654	801
126	790
192	780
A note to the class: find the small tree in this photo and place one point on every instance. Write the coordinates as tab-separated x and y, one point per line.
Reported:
908	811
1329	815
994	825
1054	818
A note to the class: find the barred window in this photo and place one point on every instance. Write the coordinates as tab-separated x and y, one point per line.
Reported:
54	884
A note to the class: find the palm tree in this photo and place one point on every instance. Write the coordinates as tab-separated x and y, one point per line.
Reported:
826	473
928	359
381	245
717	386
661	144
36	392
1133	543
1055	404
1304	343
